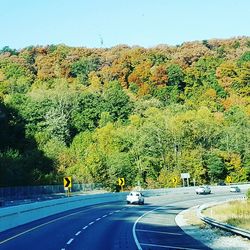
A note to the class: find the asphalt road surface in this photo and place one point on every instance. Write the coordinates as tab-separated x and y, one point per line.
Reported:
112	226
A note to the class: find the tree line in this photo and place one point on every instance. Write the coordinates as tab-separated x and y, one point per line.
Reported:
144	114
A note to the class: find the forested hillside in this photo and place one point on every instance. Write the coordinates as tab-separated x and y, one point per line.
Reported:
145	114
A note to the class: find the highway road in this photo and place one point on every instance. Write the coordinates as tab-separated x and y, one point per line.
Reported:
112	226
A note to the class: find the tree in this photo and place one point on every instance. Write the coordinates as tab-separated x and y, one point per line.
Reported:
175	76
117	102
83	67
87	112
216	168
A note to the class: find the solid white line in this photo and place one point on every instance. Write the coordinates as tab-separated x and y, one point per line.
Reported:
92	222
98	219
105	215
158	232
69	241
134	226
85	227
171	247
77	233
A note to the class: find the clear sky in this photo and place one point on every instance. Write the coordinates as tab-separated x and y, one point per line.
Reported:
106	23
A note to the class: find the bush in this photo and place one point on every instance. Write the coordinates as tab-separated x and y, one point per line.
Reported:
248	194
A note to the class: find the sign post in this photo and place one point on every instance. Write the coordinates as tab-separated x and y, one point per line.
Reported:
67	183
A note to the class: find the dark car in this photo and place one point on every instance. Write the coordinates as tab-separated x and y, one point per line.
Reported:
221	183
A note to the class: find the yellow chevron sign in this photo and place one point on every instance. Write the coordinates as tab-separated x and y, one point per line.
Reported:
67	182
121	182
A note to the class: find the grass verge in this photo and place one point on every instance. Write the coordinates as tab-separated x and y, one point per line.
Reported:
235	213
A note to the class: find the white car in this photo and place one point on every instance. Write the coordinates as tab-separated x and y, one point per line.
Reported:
234	189
203	190
135	198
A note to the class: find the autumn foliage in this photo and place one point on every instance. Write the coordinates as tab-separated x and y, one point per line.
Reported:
144	114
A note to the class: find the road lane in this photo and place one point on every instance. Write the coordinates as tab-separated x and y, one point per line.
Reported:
109	226
157	230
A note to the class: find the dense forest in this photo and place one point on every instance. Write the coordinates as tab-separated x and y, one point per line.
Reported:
144	114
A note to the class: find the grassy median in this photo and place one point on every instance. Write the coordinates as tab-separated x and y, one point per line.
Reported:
235	213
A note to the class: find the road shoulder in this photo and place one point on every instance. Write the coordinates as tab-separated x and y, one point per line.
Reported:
214	238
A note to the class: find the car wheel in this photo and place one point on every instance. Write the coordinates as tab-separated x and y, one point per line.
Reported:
128	202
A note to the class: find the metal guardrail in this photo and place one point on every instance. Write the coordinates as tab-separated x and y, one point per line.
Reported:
224	226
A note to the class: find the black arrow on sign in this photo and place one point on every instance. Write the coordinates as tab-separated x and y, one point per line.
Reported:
68	181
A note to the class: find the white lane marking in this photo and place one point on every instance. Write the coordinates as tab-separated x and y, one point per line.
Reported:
98	219
46	223
111	213
117	211
134	226
69	242
85	227
92	222
78	233
169	247
158	232
41	225
105	215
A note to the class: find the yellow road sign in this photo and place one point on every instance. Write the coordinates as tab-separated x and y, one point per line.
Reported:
174	180
121	182
229	179
67	182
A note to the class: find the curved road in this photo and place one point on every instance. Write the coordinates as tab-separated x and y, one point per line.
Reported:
111	226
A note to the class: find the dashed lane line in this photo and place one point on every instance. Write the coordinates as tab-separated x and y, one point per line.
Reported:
69	242
92	222
78	233
42	225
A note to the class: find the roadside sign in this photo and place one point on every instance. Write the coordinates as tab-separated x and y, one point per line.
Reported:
67	182
229	179
174	180
185	176
121	182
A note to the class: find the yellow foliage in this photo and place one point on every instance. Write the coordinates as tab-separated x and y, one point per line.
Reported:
166	178
233	100
135	120
2	76
95	82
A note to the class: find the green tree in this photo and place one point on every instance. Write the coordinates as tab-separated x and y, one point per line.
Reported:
83	67
87	112
117	102
215	166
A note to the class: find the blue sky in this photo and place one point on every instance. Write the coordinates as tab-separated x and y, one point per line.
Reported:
106	23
